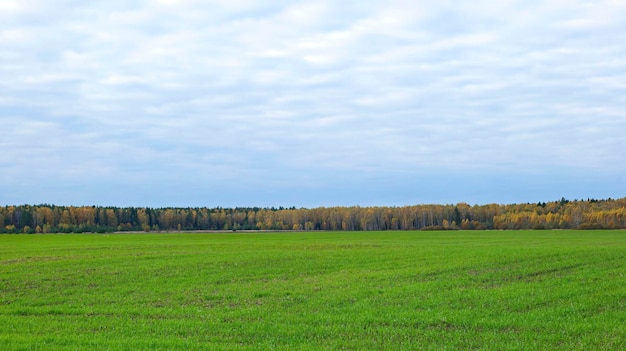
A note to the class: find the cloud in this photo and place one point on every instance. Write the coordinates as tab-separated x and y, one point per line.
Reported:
309	94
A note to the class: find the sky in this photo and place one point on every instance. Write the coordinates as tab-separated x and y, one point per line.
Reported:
311	103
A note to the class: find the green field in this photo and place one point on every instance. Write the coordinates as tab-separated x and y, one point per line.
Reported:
494	290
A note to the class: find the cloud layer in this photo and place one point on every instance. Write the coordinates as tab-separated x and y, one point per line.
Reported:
311	103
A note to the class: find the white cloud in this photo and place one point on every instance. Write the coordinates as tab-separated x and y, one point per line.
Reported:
307	92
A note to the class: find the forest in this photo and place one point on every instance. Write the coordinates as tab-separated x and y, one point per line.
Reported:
562	214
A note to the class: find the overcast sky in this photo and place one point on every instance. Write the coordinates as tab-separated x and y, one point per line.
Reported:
311	103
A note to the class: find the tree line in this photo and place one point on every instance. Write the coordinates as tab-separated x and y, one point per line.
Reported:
562	214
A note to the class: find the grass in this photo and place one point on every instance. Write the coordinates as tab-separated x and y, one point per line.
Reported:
488	290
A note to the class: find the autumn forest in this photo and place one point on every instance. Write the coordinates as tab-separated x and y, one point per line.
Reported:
563	214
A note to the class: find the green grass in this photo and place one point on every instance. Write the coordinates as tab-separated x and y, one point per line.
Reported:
493	290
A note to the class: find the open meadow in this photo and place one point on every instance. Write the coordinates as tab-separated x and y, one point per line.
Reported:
408	290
